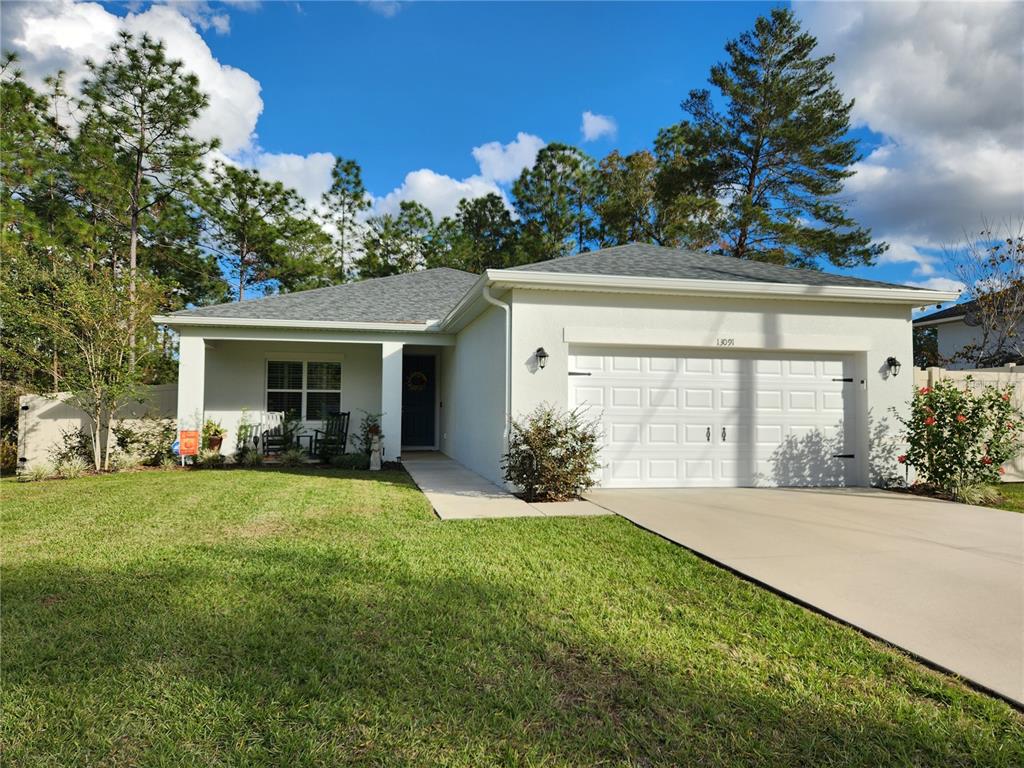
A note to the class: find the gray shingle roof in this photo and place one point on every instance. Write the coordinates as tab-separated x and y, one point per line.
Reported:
414	297
643	260
957	310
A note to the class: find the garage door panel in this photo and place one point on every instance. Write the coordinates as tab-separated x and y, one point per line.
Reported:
782	417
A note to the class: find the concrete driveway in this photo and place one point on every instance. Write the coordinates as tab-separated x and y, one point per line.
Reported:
944	581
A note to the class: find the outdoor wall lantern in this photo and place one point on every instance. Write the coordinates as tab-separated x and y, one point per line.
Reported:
894	366
542	357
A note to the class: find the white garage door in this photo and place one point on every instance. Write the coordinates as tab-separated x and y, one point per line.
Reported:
732	419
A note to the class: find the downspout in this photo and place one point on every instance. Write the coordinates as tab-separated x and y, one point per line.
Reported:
508	363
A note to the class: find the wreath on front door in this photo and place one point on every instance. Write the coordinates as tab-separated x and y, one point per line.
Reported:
416	382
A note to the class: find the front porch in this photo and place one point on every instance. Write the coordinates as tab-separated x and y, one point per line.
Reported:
229	380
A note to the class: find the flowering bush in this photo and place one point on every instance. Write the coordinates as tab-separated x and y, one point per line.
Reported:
552	454
959	438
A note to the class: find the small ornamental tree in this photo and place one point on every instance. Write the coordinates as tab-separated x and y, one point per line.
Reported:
552	455
959	438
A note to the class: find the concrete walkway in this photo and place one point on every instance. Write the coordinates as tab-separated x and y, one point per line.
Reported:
944	581
457	493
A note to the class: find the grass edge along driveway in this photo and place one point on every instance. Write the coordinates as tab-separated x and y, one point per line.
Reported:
325	618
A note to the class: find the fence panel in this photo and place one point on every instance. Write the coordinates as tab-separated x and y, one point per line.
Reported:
44	419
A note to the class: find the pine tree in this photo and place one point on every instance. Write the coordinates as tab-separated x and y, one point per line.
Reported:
780	150
139	109
482	235
554	201
394	244
343	203
260	230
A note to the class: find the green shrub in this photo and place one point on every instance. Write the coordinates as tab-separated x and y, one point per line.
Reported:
74	443
72	467
170	462
958	438
40	470
210	459
350	461
249	458
123	461
552	454
149	438
293	457
8	456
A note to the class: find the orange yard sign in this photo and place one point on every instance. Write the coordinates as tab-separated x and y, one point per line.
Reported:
188	442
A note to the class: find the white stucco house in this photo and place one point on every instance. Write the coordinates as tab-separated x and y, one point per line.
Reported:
958	328
703	370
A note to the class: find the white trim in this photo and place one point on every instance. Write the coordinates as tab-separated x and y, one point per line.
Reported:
623	284
248	322
924	322
709	340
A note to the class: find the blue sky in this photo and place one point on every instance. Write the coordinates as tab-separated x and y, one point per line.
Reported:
421	88
441	100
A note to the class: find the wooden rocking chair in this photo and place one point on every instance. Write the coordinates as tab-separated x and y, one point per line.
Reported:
333	438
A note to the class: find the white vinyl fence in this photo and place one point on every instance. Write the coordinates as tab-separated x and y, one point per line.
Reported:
43	420
978	379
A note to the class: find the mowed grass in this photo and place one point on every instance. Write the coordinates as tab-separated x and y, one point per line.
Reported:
1013	496
274	618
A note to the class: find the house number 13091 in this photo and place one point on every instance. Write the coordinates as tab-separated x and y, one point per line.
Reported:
724	342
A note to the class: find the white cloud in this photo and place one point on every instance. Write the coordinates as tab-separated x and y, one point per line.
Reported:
938	284
386	8
309	175
504	162
595	126
438	192
903	252
942	83
61	35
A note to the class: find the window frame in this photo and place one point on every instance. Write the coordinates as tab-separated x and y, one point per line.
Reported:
304	360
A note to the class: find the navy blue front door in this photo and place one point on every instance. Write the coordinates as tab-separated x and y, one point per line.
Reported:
419	388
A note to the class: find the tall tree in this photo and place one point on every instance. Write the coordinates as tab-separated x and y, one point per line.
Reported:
624	198
781	149
139	109
554	201
482	235
991	266
688	213
257	228
394	244
343	203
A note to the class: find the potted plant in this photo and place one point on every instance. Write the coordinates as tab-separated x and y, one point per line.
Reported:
213	435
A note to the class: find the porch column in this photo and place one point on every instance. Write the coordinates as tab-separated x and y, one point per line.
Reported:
391	398
191	381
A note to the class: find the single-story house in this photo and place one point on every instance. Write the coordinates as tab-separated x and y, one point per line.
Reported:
703	370
957	330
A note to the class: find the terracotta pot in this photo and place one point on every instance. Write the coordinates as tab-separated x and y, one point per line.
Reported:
214	442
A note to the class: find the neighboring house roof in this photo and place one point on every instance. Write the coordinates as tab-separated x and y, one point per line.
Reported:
414	297
955	312
643	260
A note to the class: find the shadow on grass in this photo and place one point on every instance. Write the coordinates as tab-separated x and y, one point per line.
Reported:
288	656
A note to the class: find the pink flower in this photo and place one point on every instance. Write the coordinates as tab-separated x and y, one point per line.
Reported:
930	421
1002	470
924	390
1006	397
961	418
986	460
902	458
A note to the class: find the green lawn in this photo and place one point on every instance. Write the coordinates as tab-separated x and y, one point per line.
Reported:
1013	496
322	618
